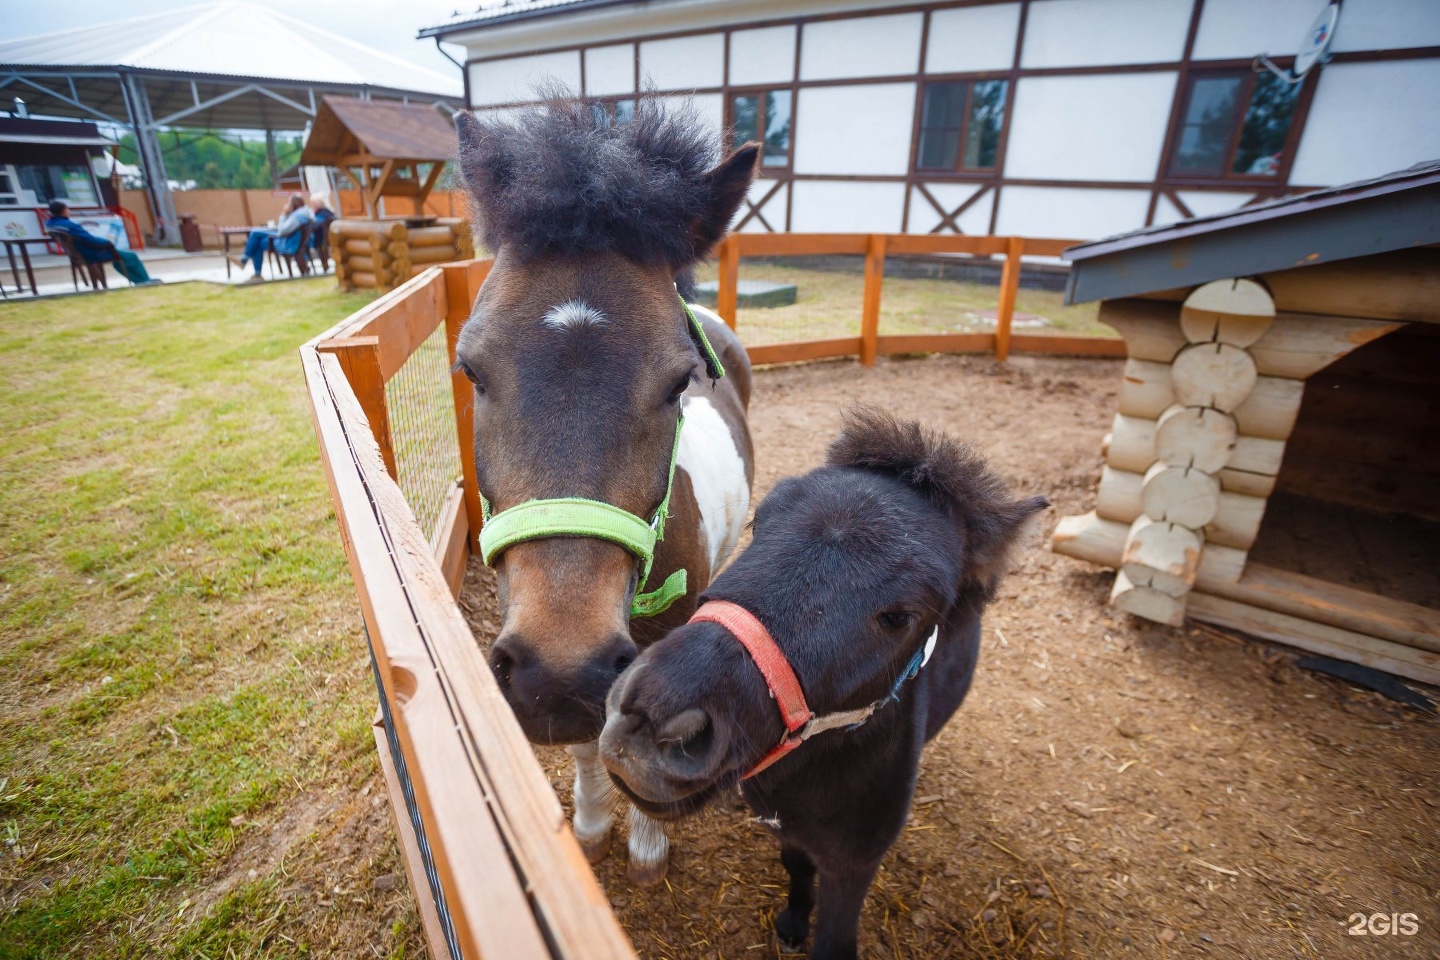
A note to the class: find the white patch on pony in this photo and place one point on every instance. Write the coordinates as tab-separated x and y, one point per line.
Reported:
572	315
649	841
593	794
709	456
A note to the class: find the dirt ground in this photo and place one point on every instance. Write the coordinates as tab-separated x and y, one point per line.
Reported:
1111	788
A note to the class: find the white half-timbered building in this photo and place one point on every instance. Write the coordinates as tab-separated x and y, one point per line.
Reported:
1075	118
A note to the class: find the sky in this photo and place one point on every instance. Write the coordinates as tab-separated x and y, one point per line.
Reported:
388	25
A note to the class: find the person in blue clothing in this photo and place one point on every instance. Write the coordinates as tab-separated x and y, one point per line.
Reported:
286	234
96	249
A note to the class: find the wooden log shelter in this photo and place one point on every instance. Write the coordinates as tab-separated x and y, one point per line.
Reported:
1274	463
393	151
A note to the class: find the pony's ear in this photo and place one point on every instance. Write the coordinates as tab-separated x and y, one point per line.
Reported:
992	530
728	182
482	164
988	522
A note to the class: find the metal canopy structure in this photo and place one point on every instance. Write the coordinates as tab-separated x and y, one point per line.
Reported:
227	65
380	146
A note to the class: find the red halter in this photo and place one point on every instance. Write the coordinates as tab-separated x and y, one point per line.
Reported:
779	677
800	721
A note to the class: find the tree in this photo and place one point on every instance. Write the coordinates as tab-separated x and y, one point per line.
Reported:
215	160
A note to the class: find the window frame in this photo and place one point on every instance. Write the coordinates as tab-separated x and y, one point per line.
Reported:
763	169
960	171
1248	76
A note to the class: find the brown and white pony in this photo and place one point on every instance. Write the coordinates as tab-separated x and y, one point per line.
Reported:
583	358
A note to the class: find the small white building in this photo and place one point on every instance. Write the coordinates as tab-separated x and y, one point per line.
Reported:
1057	118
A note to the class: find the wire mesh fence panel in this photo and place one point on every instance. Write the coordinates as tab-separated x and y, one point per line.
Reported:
422	428
827	298
922	295
961	294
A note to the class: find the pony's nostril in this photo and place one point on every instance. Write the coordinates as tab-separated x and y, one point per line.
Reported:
503	665
622	661
687	737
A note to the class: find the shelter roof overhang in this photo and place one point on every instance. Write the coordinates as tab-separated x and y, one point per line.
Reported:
196	100
1397	211
229	64
55	141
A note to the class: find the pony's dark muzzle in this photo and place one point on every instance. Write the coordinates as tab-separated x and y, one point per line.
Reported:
661	758
560	702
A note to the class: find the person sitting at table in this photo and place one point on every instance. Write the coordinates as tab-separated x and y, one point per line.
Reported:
96	249
286	235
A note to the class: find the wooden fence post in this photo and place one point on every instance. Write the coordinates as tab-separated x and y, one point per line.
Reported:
727	296
462	284
870	312
360	359
1009	285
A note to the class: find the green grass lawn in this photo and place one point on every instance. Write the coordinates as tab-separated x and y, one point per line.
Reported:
828	304
180	647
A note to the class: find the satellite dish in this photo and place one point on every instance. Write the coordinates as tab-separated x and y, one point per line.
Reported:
1316	42
1314	47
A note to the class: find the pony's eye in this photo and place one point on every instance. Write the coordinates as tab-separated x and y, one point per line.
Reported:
897	619
677	390
471	375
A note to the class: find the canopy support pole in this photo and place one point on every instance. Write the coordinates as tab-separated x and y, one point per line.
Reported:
157	183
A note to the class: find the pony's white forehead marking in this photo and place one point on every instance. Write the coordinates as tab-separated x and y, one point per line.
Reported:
572	315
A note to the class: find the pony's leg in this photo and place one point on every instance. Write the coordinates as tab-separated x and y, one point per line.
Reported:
792	926
837	921
649	850
594	801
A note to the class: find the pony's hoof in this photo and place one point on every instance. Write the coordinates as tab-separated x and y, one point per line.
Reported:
791	932
595	848
647	874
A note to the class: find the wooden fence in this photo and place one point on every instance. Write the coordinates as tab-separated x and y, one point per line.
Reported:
495	868
875	247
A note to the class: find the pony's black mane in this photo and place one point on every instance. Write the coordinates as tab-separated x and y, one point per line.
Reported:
563	178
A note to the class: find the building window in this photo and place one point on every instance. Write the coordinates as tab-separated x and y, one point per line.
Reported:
1235	124
616	111
763	116
960	125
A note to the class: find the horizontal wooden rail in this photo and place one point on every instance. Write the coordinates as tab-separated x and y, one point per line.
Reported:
875	247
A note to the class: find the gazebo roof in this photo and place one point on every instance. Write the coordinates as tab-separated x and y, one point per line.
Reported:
194	54
384	129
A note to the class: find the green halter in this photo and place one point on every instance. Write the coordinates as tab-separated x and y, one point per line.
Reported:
579	517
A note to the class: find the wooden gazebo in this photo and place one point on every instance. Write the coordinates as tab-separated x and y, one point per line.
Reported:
1274	464
381	146
395	150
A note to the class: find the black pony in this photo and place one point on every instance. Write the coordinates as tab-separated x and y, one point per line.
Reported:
858	570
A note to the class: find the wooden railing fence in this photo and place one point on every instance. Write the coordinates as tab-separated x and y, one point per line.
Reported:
875	247
495	868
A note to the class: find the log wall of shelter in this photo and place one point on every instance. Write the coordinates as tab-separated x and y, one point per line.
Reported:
1212	423
383	254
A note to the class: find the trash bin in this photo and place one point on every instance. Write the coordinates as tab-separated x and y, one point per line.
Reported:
190	234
